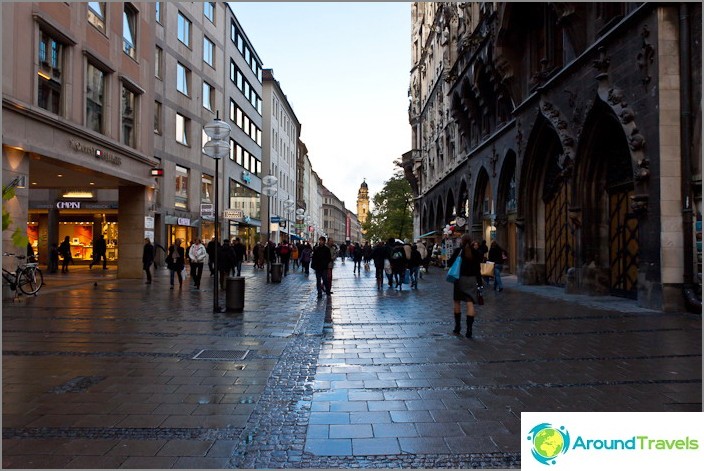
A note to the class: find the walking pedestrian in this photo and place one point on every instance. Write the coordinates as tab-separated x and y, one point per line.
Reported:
467	288
100	249
389	248
498	256
295	256
210	250
334	252
425	258
239	252
175	262
414	265
320	262
398	264
65	252
53	258
198	255
284	253
148	259
357	256
306	255
226	260
379	256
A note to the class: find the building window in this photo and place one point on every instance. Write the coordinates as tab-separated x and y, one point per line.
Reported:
95	93
206	189
129	104
157	117
182	78
184	30
50	68
208	96
129	31
240	117
233	31
208	51
157	10
209	11
158	61
182	125
96	15
181	196
244	198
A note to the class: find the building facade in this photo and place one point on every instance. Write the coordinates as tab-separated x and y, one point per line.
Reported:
334	217
568	133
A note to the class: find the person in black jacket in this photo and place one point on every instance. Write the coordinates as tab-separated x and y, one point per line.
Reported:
467	287
414	265
226	261
379	255
148	259
239	252
65	251
175	261
210	250
322	258
497	255
398	264
100	250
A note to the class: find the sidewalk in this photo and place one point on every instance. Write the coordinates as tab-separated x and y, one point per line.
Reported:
127	375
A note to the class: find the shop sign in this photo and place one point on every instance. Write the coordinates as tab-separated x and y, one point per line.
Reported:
206	210
68	205
101	154
183	221
246	177
233	214
148	222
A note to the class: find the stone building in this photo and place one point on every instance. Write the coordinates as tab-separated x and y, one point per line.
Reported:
570	134
363	203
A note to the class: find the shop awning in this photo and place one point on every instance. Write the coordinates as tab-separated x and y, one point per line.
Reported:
428	234
295	237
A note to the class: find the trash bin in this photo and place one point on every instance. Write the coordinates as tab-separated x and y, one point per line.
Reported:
234	293
276	269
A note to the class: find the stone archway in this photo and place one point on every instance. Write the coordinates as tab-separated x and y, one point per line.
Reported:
506	209
482	207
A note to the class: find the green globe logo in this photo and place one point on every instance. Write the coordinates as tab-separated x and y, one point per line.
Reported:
548	442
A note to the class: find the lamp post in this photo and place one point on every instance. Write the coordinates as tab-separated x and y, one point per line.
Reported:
300	218
217	147
269	189
288	205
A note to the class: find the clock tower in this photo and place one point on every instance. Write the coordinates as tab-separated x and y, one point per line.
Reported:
363	203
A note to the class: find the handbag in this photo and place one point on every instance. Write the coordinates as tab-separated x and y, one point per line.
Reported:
454	273
487	269
480	296
387	266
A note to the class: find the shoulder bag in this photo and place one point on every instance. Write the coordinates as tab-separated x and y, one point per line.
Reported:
454	273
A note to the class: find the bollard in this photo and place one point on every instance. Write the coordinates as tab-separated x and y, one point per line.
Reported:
276	270
234	293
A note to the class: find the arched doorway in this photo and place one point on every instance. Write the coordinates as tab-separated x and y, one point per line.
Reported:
506	210
610	227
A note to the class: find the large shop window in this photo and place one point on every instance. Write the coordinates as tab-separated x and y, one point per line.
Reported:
181	197
50	68
95	94
245	199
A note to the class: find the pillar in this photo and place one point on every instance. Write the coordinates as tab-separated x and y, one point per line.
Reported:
130	243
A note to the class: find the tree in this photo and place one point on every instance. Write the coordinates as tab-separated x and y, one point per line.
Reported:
19	237
392	215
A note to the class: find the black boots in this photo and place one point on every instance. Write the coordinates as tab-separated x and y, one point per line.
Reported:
470	321
458	317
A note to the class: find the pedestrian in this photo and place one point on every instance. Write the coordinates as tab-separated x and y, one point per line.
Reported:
468	287
498	256
53	265
295	255
198	255
425	258
398	264
210	250
65	252
367	251
284	253
148	259
389	248
379	256
334	252
175	262
226	260
414	265
320	262
100	249
357	256
306	254
239	252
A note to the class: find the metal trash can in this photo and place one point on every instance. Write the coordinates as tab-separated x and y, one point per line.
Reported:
276	269
234	293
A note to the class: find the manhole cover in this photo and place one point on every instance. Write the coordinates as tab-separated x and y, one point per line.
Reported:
221	355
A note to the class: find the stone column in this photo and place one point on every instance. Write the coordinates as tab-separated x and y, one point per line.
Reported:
132	204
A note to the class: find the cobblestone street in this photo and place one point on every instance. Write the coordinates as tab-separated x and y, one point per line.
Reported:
106	373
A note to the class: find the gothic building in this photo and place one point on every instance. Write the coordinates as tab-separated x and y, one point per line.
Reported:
570	133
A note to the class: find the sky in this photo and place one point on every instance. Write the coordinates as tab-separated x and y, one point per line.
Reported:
345	69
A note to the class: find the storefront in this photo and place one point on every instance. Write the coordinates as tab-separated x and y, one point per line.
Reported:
181	228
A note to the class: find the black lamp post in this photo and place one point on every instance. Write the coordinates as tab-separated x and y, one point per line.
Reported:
269	189
217	147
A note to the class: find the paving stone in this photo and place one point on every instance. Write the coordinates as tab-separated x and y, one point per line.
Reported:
351	431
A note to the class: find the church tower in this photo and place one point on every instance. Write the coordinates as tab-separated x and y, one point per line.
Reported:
363	203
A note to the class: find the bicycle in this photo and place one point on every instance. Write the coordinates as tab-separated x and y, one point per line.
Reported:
27	277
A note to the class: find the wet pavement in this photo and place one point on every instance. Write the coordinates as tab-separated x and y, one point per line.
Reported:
106	373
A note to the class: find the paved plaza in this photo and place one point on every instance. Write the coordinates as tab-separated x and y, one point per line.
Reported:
106	373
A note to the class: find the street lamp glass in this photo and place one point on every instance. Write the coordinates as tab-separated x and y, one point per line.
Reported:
217	129
269	190
288	204
216	149
270	180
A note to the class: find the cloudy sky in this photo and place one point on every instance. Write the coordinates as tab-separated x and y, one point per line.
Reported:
345	69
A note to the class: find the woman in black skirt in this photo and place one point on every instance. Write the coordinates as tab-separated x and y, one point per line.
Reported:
466	287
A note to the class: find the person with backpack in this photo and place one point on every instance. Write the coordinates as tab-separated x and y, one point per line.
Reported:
398	264
284	253
306	255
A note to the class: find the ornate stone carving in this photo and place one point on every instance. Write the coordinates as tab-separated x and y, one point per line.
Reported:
645	57
627	115
602	64
636	141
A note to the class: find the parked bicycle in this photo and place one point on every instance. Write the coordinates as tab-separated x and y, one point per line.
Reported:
27	277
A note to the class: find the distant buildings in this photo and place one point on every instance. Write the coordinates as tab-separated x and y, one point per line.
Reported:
104	105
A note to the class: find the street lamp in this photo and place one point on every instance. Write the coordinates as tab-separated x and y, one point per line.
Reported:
288	206
217	147
300	218
269	189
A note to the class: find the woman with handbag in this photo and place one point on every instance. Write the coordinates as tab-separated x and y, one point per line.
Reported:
468	286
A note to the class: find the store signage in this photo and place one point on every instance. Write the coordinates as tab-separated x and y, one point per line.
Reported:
183	221
68	205
233	214
275	218
206	210
246	176
148	222
84	148
157	172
